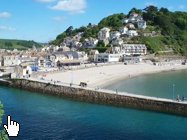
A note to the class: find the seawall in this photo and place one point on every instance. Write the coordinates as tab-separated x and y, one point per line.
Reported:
103	97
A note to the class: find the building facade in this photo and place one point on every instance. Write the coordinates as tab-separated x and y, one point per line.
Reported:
11	60
107	57
133	49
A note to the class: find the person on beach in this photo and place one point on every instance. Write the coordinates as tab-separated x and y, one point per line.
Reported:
178	98
182	98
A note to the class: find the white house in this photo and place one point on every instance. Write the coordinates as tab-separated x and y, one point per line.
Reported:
106	57
44	49
93	55
21	71
69	56
116	50
133	49
64	48
78	36
90	42
42	62
114	35
2	50
130	26
123	30
132	59
56	48
68	41
132	33
11	60
27	70
117	42
104	34
133	18
82	56
76	44
142	24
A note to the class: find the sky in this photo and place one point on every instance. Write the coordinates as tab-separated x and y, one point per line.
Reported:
43	20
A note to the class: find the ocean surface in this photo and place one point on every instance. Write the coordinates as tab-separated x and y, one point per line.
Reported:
52	118
164	85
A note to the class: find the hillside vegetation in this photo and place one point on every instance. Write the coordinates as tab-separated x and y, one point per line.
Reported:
170	26
17	44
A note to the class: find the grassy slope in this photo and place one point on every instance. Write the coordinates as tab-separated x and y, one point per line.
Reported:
17	44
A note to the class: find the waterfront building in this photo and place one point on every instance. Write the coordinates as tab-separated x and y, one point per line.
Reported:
107	57
93	55
68	57
11	60
133	49
131	59
68	63
27	70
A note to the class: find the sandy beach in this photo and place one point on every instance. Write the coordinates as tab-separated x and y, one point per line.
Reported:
103	75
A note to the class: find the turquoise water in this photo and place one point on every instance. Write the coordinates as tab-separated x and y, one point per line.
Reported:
47	117
157	85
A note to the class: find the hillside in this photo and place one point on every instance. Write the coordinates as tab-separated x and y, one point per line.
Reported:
170	30
17	44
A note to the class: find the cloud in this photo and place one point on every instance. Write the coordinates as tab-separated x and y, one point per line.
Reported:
181	7
7	28
45	1
5	15
59	18
72	6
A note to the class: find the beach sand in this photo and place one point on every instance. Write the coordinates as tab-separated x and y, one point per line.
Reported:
103	75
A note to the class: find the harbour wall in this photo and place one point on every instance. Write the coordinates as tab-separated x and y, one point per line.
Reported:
102	97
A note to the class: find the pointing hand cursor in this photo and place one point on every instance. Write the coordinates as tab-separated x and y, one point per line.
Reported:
12	128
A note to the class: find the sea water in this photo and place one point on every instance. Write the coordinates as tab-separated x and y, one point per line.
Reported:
44	117
165	85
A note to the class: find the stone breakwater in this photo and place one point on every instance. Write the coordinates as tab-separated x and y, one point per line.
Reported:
103	97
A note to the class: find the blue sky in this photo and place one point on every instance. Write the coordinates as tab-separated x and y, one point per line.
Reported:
43	20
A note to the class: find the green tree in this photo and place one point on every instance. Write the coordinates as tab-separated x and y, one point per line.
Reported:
69	30
100	44
164	10
3	135
150	13
135	10
113	21
151	9
8	44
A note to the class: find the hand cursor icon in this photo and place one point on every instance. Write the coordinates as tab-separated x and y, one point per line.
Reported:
12	128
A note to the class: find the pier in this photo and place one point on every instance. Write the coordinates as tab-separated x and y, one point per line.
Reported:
100	96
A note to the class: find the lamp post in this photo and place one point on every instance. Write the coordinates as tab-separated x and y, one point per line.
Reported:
71	76
173	90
